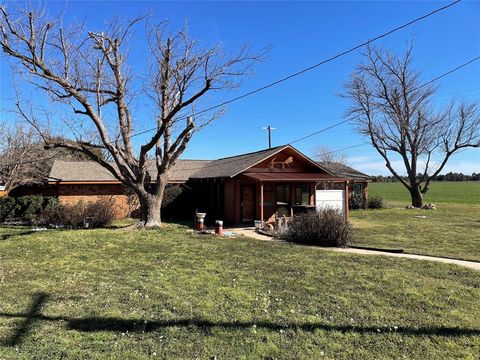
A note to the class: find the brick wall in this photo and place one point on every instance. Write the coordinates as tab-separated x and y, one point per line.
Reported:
71	194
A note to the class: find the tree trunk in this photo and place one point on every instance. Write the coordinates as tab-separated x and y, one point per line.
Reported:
151	206
417	197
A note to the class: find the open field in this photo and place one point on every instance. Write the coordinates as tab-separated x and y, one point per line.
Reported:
136	294
461	192
453	230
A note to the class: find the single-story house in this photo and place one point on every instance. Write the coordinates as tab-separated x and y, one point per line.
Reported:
262	185
358	181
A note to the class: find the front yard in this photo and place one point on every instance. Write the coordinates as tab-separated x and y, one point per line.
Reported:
165	294
452	230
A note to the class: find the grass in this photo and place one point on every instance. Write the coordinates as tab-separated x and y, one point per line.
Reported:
165	294
453	230
462	192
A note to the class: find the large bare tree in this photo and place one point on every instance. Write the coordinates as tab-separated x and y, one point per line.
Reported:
88	72
398	114
22	159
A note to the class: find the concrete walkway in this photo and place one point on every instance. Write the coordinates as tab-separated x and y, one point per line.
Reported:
250	232
469	264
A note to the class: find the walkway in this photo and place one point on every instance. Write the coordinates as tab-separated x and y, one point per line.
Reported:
250	232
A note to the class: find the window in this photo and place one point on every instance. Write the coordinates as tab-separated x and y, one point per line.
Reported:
302	195
283	194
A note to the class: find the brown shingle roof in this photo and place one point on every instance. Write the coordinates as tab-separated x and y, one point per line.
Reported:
92	171
344	171
79	171
181	172
231	166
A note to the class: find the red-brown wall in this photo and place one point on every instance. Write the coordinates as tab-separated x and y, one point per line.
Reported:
71	194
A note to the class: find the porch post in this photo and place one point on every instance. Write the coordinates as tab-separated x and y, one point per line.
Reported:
261	203
346	201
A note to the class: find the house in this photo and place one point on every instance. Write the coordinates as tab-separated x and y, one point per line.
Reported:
265	185
262	185
3	191
358	181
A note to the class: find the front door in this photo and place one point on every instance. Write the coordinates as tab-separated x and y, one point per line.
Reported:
248	203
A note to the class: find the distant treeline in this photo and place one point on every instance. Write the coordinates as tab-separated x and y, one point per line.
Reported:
451	176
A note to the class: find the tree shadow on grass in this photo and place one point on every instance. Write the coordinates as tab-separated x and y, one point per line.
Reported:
12	234
114	324
32	314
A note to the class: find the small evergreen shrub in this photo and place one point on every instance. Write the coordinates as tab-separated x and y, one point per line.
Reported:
376	202
29	207
323	228
8	208
25	208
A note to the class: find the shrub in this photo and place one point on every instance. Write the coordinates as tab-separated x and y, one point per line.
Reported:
171	193
324	228
376	202
8	207
90	214
100	213
25	208
355	202
29	207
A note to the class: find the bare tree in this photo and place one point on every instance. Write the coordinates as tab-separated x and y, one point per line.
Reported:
397	113
326	154
23	158
22	161
88	72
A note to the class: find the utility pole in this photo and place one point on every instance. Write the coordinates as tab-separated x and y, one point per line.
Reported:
269	128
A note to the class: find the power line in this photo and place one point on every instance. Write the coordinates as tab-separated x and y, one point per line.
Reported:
312	67
448	72
376	107
346	148
335	124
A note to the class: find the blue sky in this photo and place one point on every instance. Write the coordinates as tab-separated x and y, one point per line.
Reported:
301	34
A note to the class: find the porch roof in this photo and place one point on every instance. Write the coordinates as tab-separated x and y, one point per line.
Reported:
291	177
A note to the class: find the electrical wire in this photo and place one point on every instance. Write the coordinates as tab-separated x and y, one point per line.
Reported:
312	67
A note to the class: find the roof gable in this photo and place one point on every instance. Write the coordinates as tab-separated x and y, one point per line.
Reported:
232	166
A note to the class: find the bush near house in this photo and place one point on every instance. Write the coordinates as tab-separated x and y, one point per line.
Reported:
38	209
355	201
324	228
96	214
25	208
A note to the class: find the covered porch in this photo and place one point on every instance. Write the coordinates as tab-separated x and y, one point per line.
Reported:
270	196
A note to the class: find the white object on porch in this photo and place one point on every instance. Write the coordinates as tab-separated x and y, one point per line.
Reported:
331	199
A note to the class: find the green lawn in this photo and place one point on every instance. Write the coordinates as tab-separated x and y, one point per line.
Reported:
453	230
462	192
165	294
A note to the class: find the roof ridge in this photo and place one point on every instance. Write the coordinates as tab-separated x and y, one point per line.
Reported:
254	152
196	159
